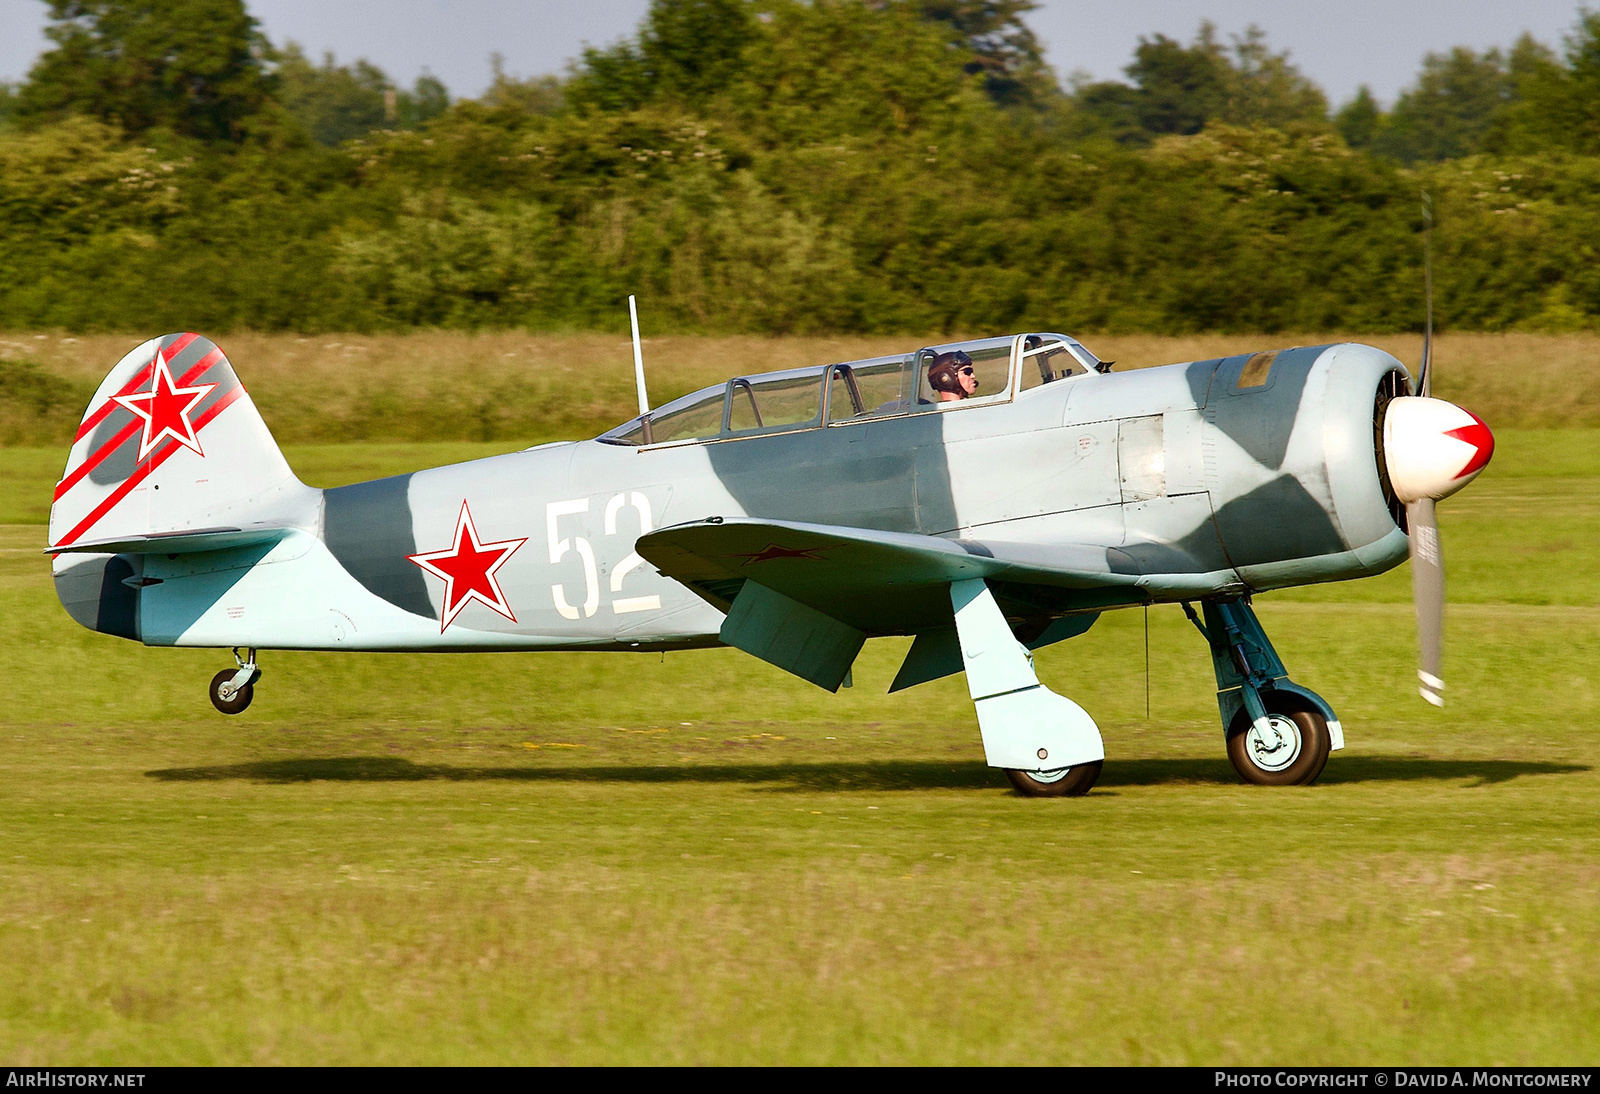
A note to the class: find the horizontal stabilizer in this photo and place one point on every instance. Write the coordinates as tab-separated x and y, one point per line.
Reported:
187	542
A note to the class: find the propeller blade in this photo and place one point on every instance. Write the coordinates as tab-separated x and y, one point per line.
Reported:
1427	560
1427	585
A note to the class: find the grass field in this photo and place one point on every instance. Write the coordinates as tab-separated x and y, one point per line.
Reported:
585	858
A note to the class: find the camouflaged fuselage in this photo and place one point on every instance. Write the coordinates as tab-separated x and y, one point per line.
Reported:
1240	474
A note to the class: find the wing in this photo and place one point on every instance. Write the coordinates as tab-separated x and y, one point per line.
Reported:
805	597
882	582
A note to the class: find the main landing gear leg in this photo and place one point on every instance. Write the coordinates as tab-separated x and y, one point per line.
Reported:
1279	733
1047	745
232	689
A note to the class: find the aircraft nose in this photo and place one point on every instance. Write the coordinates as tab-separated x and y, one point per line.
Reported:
1433	448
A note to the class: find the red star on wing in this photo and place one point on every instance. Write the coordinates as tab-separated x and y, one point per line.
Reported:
773	550
468	570
165	409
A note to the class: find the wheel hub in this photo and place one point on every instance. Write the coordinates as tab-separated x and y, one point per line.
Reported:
1277	747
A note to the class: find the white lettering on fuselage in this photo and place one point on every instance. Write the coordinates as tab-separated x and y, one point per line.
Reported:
560	546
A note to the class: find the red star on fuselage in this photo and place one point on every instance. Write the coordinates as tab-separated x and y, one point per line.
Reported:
165	409
468	570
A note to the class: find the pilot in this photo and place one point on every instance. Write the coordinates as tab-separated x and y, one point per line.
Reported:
952	376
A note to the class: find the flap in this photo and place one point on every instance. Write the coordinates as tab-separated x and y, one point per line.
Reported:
796	638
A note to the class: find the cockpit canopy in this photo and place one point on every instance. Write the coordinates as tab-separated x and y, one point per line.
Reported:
857	391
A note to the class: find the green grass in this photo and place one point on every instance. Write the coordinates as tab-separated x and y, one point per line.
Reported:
611	858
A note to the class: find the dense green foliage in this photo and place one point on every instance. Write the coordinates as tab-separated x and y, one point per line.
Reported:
787	165
196	67
337	102
1181	89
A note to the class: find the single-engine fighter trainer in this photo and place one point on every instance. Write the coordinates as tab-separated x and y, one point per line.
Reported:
988	497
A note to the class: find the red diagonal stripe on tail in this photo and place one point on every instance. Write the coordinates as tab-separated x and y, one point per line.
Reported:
132	385
145	469
88	424
94	459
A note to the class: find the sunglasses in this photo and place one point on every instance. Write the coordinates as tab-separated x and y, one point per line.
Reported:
966	371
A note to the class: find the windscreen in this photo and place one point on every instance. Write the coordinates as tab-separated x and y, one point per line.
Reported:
1050	357
692	417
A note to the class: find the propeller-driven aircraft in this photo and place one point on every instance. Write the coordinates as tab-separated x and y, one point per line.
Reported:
988	497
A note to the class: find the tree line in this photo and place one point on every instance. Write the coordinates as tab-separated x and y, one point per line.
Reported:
787	165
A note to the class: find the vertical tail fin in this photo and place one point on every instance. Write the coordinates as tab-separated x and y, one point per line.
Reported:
170	443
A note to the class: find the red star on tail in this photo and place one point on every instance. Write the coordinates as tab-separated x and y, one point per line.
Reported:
165	409
468	570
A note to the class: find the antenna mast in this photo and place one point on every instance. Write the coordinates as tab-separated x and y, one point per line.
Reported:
638	371
1425	380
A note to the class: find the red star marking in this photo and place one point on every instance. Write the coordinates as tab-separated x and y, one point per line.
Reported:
165	409
773	550
1477	434
468	570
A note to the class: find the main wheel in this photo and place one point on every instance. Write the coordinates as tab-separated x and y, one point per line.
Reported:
1068	782
235	701
1292	751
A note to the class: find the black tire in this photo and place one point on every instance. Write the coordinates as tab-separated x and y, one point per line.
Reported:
1303	732
236	703
1074	782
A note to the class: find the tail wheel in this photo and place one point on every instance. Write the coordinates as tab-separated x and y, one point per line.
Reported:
1068	782
225	697
1292	751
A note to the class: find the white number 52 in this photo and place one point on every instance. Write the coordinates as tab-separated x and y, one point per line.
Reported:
559	546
